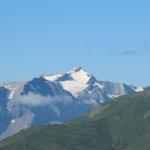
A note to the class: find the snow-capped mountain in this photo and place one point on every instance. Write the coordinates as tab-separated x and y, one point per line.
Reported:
83	85
54	99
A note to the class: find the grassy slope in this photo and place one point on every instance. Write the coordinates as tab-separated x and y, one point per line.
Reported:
123	124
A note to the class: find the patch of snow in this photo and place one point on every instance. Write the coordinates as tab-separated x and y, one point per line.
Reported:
80	75
54	77
11	93
13	121
99	85
139	89
11	88
112	96
74	87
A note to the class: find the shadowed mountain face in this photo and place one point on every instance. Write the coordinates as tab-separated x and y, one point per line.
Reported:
122	124
53	99
5	116
43	87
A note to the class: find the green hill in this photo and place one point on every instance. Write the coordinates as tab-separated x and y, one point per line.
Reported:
123	124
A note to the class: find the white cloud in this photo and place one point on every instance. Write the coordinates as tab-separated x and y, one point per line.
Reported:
38	100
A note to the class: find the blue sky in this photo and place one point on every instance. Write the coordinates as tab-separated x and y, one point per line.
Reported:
110	39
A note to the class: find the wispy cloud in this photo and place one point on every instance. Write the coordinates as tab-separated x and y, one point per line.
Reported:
135	52
140	49
38	100
129	52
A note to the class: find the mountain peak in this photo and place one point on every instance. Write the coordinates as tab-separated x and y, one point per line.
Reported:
44	74
80	75
76	69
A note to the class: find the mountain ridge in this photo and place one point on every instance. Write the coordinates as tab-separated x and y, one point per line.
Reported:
59	98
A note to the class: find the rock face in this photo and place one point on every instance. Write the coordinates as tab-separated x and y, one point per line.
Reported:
5	115
53	99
